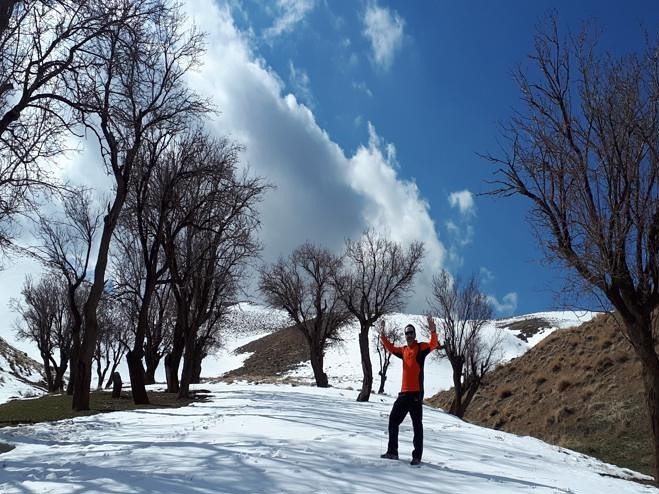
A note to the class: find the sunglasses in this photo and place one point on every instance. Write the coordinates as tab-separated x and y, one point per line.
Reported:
409	333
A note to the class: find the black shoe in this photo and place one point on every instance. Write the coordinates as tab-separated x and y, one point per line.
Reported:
415	461
389	456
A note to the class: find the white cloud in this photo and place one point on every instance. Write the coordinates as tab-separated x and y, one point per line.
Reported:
362	87
464	201
486	276
290	12
384	30
507	306
460	234
321	194
301	83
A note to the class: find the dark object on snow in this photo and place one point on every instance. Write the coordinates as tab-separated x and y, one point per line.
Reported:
116	385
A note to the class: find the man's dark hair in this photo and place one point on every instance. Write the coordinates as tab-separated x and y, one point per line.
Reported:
410	326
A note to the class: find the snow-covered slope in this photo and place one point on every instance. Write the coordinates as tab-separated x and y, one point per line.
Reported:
343	362
281	439
20	376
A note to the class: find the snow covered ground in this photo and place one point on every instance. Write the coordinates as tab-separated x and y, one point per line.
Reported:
282	439
13	362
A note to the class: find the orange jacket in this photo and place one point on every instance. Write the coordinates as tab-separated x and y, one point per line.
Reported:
413	357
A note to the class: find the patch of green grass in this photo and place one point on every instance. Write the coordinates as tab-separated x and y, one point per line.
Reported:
58	406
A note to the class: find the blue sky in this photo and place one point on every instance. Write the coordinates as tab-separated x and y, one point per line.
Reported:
433	80
372	113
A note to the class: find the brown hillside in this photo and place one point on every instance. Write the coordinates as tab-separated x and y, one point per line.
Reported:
579	388
272	355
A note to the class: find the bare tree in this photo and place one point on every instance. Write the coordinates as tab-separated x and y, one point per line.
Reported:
111	345
585	152
464	310
378	273
209	238
158	340
302	286
41	44
44	321
66	245
134	85
139	236
394	334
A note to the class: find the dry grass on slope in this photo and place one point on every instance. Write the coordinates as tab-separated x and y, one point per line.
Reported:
272	356
579	388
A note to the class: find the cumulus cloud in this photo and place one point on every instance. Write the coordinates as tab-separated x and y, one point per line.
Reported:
289	13
384	30
321	194
507	306
464	201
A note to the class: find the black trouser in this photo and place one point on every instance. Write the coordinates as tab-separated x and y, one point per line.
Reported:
411	403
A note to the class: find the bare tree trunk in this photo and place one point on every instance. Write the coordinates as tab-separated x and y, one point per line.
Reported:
61	370
150	371
134	357
383	373
196	371
197	359
101	372
83	379
316	357
108	384
152	360
468	396
173	358
137	380
367	383
456	405
81	387
651	382
186	373
48	372
638	333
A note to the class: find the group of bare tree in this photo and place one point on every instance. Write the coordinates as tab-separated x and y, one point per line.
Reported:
321	292
180	218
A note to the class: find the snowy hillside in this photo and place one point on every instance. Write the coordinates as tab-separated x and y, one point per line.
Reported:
20	376
342	360
247	322
282	439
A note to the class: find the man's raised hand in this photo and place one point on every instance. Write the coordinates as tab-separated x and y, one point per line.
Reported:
431	324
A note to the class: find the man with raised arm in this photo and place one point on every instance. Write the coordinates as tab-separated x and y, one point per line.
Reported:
410	398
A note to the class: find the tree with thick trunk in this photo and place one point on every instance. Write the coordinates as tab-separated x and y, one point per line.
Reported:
134	86
302	286
585	152
377	275
209	236
65	245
